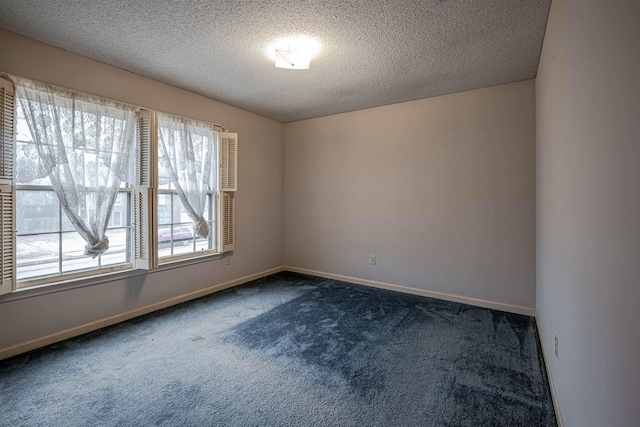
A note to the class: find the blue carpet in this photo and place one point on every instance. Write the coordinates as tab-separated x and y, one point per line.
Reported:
289	350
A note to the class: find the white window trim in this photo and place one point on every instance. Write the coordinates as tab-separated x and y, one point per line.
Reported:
227	169
101	279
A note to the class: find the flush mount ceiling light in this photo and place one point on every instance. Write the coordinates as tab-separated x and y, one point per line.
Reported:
294	52
293	59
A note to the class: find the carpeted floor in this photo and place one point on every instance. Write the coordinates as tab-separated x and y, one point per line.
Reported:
289	350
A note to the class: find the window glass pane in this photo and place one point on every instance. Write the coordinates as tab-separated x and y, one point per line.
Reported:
66	224
175	240
27	167
179	212
182	235
206	244
120	212
87	162
86	211
36	211
182	239
119	251
73	257
164	175
164	208
179	239
37	256
207	208
164	184
23	133
164	241
202	244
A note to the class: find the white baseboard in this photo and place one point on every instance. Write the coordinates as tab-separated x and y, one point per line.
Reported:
90	327
545	355
421	292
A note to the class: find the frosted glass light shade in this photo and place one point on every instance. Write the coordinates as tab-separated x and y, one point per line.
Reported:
293	59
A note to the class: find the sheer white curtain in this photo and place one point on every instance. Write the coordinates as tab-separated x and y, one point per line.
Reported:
186	151
85	145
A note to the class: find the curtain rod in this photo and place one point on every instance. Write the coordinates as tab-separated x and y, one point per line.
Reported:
221	126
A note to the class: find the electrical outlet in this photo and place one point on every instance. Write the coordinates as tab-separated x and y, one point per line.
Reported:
372	260
556	347
228	260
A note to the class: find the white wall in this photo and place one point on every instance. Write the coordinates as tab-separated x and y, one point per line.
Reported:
441	190
259	211
588	208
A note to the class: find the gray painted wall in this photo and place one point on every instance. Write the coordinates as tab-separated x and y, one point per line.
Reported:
259	199
441	190
588	208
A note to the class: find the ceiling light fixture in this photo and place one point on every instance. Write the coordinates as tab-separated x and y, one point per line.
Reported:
294	52
293	59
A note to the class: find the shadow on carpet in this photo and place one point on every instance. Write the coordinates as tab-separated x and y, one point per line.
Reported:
290	350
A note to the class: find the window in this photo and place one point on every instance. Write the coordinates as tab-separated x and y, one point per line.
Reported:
74	156
47	246
187	187
90	186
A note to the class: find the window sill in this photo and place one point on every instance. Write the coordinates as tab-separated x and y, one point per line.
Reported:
186	257
61	286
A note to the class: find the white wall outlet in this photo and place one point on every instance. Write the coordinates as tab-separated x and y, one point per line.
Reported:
228	262
556	349
372	260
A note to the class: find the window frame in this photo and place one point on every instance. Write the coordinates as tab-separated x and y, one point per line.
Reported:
61	275
214	193
143	189
75	274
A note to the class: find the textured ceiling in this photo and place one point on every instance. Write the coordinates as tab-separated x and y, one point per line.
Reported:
374	52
